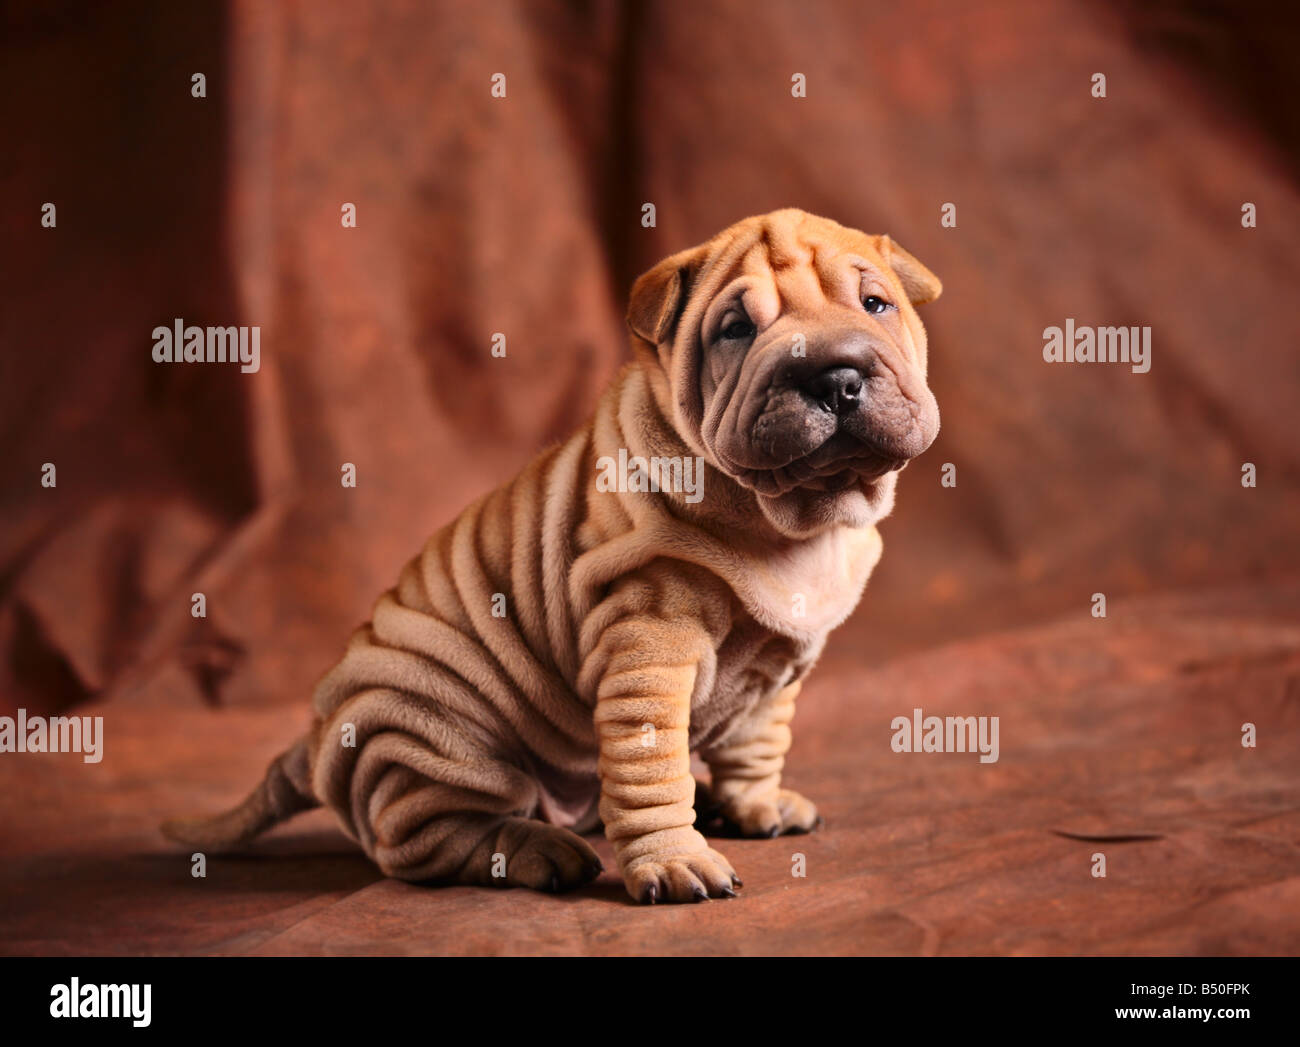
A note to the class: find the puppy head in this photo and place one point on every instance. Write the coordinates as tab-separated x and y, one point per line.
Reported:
790	355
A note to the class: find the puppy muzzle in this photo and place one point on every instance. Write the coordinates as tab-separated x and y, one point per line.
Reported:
850	401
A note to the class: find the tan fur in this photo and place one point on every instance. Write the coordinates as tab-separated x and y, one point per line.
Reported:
639	626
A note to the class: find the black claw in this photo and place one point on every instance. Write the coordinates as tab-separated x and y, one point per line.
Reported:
774	832
701	895
651	894
737	881
728	892
820	823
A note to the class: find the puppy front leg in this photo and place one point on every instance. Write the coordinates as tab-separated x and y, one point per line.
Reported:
643	712
746	770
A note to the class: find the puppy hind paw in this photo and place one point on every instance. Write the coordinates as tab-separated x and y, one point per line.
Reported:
549	858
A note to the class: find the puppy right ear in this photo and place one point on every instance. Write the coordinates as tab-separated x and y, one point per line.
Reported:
918	282
658	298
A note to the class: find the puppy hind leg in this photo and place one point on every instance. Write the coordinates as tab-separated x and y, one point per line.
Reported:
428	832
432	802
532	854
490	850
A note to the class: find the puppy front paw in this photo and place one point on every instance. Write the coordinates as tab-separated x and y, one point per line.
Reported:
771	814
692	877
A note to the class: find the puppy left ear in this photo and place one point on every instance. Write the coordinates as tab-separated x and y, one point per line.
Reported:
658	298
918	282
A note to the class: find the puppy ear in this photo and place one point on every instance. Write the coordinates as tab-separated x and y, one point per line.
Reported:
658	298
918	282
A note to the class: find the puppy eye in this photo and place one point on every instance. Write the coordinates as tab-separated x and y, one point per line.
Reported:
874	305
737	329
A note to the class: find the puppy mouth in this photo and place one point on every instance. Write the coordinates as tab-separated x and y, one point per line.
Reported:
785	436
838	464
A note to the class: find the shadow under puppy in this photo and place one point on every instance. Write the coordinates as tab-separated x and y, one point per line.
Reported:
658	584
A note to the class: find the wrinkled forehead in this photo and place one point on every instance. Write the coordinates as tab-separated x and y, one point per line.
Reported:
783	266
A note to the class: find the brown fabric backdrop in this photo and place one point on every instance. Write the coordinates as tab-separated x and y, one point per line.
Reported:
522	216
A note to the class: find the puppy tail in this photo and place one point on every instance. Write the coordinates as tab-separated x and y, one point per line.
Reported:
282	793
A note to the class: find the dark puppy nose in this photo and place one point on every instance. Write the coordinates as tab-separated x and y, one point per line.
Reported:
839	388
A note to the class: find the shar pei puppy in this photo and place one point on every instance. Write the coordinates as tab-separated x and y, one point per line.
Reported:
658	585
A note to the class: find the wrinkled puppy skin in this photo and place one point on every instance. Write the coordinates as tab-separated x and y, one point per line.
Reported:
552	657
